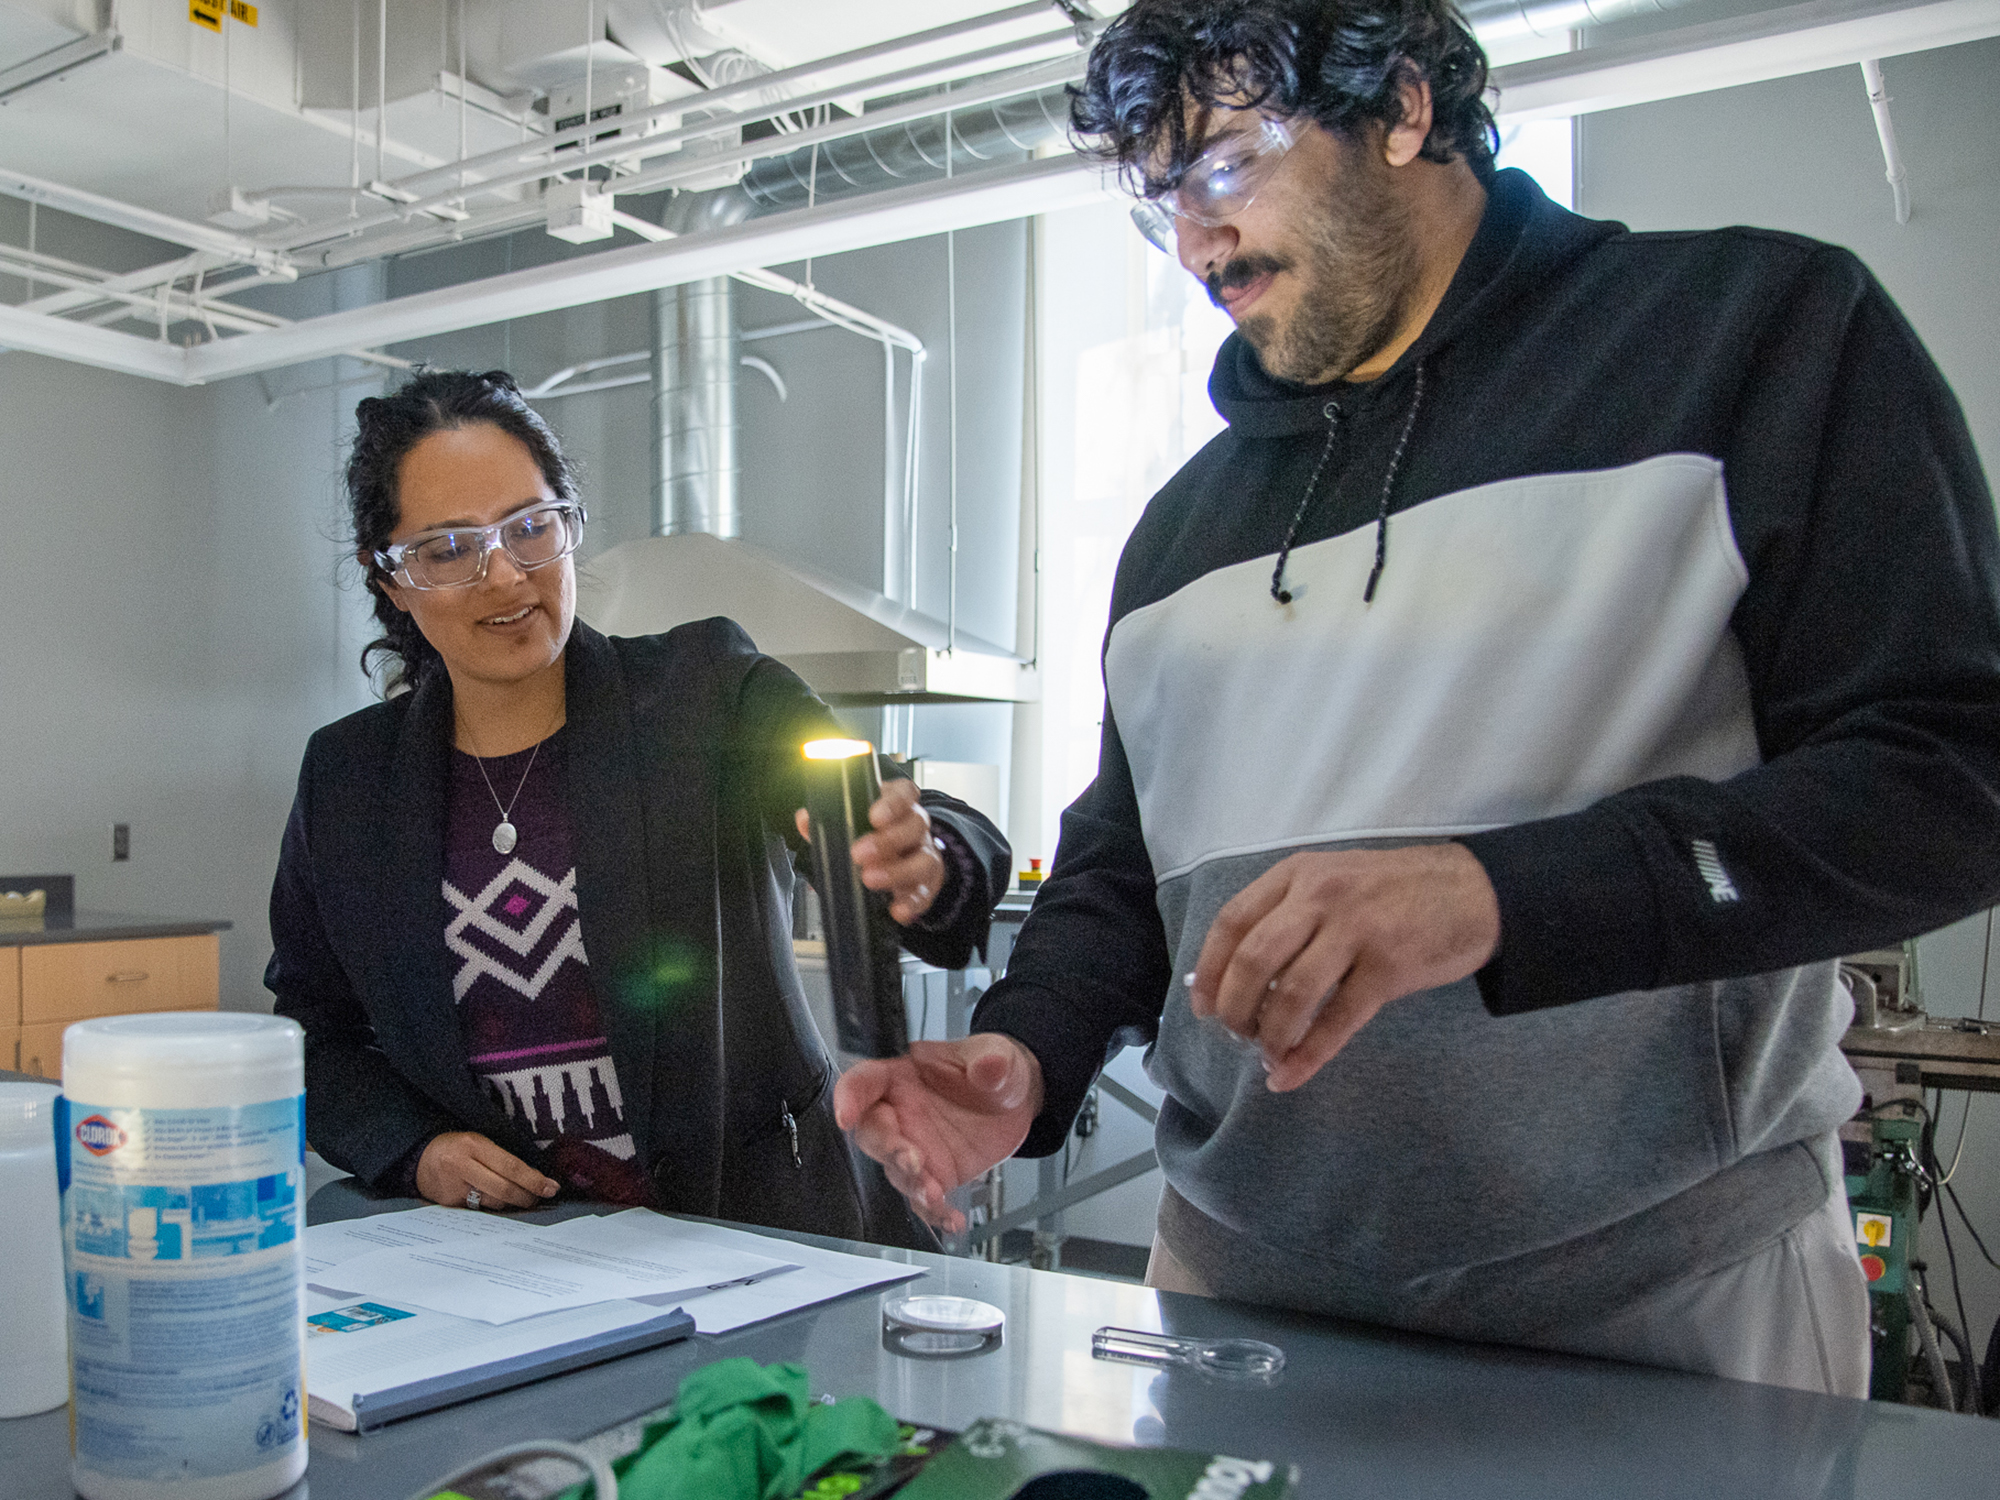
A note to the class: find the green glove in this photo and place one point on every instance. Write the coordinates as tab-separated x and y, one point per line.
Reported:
740	1431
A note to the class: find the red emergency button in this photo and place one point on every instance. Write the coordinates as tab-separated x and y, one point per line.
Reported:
1873	1267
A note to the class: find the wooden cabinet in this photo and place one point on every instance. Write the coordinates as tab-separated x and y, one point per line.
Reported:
73	981
45	987
41	1050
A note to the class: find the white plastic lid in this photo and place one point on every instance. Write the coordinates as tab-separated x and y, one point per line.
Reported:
940	1314
183	1058
27	1111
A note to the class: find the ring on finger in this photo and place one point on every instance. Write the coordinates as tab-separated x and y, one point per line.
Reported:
472	1197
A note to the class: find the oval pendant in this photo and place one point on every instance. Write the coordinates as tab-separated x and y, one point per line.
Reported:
504	838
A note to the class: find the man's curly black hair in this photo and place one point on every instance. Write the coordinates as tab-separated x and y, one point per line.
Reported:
1338	61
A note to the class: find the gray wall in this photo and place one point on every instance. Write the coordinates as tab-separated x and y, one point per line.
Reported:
1800	154
171	635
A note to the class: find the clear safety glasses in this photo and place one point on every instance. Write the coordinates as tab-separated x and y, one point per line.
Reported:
1219	185
455	556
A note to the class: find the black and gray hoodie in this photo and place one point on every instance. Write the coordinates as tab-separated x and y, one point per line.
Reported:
1689	629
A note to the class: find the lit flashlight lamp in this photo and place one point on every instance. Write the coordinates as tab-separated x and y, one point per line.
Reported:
863	960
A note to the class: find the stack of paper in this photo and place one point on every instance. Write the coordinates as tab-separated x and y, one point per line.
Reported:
410	1311
819	1275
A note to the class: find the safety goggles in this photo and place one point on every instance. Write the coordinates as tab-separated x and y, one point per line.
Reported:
1219	184
453	557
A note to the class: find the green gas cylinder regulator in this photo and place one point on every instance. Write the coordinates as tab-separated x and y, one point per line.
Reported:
1883	1201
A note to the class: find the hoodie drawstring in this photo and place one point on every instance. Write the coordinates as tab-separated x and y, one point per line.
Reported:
1333	414
1388	484
1279	592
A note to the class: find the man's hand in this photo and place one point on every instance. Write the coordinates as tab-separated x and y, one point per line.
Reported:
1305	955
898	855
939	1117
460	1160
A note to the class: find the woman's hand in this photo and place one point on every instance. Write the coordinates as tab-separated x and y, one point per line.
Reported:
461	1162
898	855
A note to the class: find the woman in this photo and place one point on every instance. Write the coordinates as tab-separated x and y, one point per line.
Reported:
533	910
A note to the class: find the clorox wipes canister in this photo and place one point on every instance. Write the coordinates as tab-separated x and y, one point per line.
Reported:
184	1266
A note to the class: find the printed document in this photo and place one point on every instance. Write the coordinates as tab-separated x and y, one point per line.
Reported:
507	1276
372	1359
822	1275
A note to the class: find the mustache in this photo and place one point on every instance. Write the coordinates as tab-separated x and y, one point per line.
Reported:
1240	273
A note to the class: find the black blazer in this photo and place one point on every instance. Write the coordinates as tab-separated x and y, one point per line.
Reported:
683	773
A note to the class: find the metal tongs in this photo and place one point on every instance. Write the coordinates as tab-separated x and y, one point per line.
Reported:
1238	1361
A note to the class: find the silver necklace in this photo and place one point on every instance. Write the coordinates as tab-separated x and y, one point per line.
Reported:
505	835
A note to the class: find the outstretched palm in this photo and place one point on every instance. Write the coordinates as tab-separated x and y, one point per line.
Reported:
942	1115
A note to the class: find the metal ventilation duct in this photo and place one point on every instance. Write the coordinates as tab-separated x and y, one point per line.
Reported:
910	152
696	356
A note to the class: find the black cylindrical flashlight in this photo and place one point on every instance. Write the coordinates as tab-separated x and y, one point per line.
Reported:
863	960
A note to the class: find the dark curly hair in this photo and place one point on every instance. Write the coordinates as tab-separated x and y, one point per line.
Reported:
386	429
1340	62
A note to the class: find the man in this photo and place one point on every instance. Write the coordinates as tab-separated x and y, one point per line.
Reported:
1576	641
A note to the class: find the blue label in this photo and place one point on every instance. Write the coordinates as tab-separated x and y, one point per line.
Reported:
186	1286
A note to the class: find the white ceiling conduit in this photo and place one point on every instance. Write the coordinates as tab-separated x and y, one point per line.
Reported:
1755	48
1686	60
1885	128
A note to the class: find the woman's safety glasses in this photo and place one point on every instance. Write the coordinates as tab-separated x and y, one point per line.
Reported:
455	556
1219	184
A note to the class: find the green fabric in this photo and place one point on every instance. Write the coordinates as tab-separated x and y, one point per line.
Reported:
744	1431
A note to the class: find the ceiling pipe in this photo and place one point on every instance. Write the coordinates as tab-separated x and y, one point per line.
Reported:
57	62
1878	100
1504	20
159	226
914	151
1744	49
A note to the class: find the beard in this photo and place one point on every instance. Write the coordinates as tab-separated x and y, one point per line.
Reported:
1357	267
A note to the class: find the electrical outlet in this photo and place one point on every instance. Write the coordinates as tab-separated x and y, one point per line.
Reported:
121	841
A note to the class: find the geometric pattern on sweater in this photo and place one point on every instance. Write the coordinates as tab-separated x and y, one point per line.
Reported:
532	1028
574	1096
494	917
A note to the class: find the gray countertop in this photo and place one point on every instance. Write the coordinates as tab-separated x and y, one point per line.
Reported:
105	927
1360	1410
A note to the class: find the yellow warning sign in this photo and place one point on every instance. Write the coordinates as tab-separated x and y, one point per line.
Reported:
209	13
1873	1229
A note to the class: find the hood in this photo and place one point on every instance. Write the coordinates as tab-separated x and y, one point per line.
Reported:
1523	240
853	646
